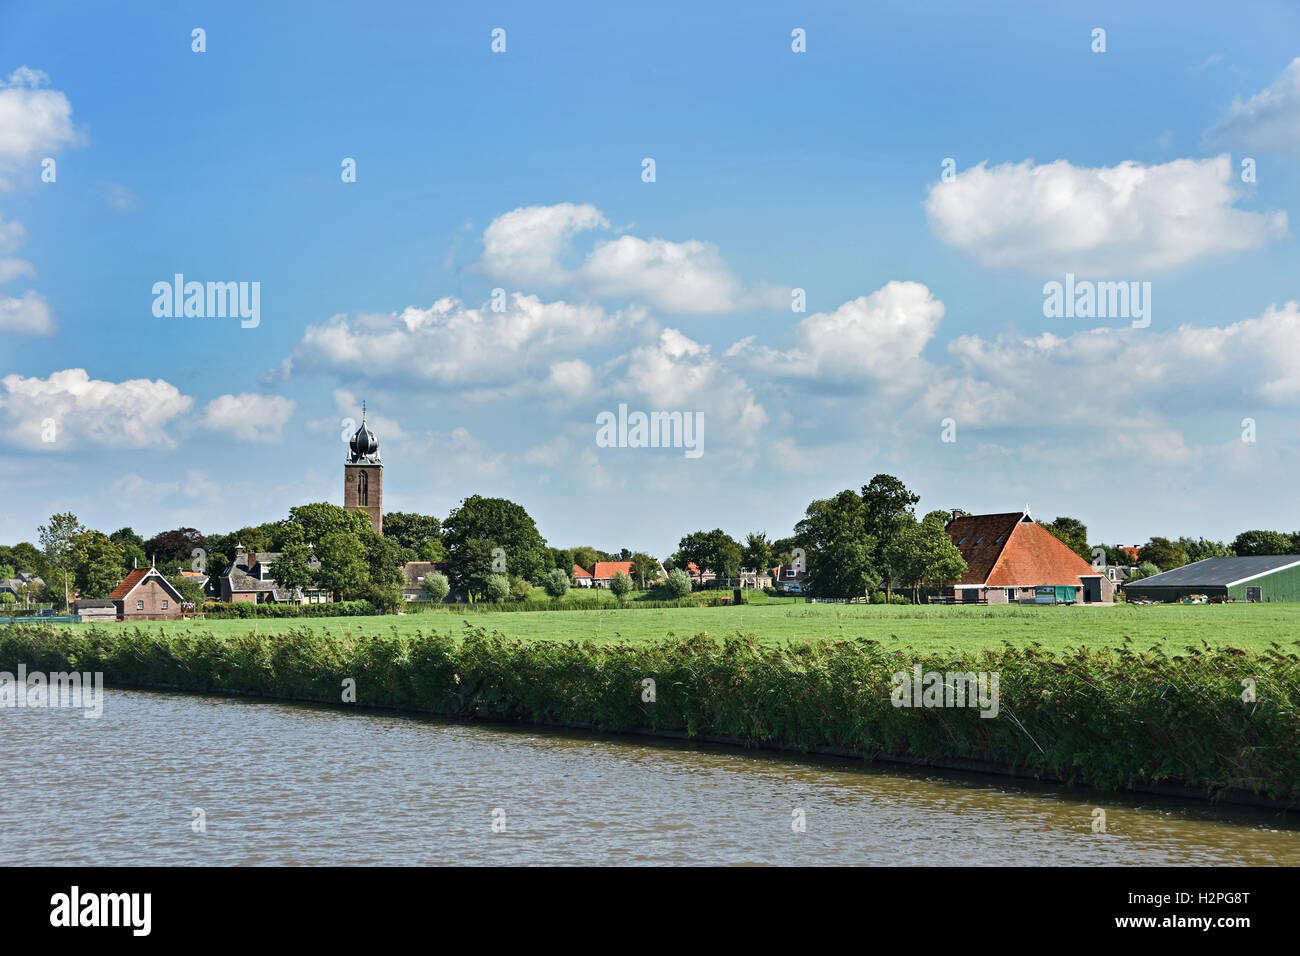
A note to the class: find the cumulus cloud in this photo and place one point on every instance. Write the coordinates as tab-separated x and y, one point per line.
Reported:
28	315
249	416
1154	377
33	122
529	245
1269	120
1123	219
873	338
676	373
75	408
456	347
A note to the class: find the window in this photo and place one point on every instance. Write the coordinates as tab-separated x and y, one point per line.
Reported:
963	540
979	539
139	605
363	488
164	607
998	539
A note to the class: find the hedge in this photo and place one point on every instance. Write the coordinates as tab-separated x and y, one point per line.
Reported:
1107	718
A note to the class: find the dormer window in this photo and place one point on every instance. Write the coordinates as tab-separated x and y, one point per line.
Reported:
979	539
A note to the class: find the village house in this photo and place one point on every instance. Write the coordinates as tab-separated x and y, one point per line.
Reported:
603	573
697	576
414	573
25	587
145	595
1010	558
788	577
581	578
248	580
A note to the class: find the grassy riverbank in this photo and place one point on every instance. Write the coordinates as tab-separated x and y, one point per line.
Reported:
1114	717
932	628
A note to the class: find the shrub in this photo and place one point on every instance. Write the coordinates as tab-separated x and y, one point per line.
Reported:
556	583
217	609
436	586
520	589
498	588
679	583
620	584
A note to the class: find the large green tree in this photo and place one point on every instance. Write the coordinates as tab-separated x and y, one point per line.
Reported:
757	552
1256	543
59	544
506	524
1163	553
98	564
419	535
887	512
924	553
839	551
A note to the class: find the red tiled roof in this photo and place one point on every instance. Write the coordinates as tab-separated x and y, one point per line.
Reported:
607	569
1004	551
128	584
580	573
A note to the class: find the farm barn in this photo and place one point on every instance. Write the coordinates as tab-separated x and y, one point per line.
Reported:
1272	577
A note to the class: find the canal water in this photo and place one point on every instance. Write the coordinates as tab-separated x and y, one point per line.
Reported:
300	784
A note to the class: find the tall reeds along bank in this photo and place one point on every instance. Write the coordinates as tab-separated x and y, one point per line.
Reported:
1211	720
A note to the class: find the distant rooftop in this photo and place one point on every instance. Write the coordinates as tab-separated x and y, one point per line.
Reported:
1219	572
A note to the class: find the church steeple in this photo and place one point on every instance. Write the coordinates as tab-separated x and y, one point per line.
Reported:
363	475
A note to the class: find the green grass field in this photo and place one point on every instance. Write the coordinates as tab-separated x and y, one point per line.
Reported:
1173	627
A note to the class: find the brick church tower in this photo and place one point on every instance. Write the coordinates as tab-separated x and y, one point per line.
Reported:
363	477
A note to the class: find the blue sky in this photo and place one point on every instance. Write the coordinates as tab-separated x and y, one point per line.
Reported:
775	170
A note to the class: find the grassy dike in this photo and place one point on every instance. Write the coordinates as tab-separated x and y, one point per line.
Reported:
1110	718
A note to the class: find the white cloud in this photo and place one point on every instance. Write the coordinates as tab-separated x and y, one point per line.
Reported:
460	453
249	416
1269	120
1128	219
679	374
572	379
29	315
198	485
33	122
11	269
873	338
529	246
456	347
130	414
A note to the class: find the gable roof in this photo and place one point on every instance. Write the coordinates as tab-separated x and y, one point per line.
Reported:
607	569
138	577
1220	572
1013	550
981	540
578	572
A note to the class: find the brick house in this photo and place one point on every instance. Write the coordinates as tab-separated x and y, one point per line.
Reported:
248	580
145	595
784	575
1010	556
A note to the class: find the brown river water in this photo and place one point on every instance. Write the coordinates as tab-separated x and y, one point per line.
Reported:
300	784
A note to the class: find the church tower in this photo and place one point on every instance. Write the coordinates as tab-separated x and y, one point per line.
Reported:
363	477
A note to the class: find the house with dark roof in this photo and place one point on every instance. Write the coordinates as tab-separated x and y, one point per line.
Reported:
145	595
248	580
1265	577
1011	558
414	573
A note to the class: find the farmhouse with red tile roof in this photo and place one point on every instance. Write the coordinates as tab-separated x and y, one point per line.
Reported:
581	577
145	595
1009	555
